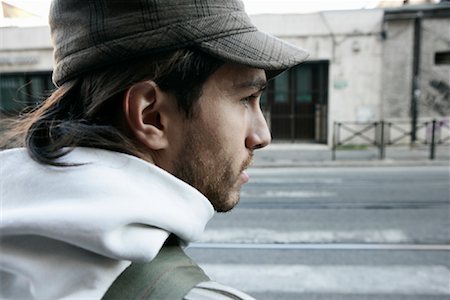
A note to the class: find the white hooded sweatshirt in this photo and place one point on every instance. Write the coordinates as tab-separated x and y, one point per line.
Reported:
68	232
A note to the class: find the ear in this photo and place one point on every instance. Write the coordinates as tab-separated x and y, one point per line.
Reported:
142	104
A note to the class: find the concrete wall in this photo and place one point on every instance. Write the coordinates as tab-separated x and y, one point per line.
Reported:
435	38
25	49
397	69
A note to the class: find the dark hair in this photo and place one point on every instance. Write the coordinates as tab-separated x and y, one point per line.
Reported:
86	111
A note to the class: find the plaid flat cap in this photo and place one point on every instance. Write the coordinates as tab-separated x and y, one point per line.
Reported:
90	34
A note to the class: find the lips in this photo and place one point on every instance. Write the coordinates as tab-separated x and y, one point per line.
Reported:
244	177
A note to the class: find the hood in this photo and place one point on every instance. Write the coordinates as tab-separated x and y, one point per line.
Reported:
101	215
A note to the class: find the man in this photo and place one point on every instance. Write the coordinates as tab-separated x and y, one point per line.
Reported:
153	124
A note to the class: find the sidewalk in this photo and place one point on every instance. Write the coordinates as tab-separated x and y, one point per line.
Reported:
318	155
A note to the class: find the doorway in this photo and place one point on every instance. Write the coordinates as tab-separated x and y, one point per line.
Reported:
297	103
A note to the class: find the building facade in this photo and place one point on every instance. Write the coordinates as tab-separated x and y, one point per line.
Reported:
364	66
416	62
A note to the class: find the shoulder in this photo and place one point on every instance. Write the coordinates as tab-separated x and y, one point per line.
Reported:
211	290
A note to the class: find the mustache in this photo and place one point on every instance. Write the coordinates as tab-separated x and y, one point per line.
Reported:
247	162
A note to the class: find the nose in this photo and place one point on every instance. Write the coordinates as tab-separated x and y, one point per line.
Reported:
259	134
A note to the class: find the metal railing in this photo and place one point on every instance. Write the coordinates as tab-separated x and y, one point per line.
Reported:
382	134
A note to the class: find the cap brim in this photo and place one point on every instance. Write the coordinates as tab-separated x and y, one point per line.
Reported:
256	49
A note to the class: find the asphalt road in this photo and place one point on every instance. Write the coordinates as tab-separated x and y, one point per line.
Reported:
335	233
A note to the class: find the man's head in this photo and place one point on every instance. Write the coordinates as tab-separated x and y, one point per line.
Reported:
175	82
211	149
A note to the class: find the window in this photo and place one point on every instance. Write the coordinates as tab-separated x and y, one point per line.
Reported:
281	94
442	58
304	84
18	91
12	95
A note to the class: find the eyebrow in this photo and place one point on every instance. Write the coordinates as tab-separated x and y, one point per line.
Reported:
258	84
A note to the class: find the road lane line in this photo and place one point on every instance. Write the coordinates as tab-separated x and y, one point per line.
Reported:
290	180
336	279
287	194
259	235
249	202
320	246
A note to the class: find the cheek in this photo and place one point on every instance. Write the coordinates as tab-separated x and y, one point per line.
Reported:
222	116
225	124
232	129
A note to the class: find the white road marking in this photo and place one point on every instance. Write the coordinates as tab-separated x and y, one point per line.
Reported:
288	194
296	180
340	279
242	235
322	246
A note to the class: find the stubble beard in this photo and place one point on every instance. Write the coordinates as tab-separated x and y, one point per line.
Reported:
203	164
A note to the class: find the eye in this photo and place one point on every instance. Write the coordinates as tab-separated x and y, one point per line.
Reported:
246	101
